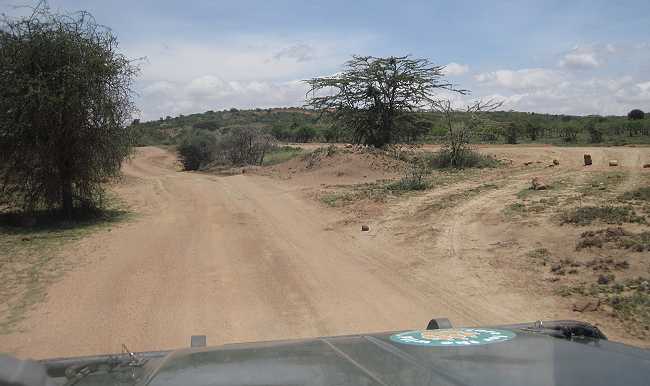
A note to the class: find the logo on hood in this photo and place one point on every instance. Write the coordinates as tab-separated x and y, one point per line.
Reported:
453	337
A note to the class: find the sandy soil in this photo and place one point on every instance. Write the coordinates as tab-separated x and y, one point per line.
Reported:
252	257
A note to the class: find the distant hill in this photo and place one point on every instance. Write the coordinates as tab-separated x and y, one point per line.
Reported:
295	124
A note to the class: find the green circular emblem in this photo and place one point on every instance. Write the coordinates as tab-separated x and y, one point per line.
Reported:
453	337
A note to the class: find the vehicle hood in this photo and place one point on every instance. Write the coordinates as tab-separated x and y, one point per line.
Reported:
528	358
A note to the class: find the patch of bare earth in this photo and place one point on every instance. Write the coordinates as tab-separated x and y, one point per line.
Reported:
507	244
278	252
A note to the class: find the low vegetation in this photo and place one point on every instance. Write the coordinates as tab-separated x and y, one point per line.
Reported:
467	158
615	237
196	150
313	158
414	177
640	194
607	214
602	184
296	124
281	154
627	300
238	147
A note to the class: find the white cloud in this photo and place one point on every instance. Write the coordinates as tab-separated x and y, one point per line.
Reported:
455	69
298	52
573	95
524	79
210	92
579	61
590	56
180	77
644	87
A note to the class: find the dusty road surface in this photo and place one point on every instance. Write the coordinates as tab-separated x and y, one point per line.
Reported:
248	258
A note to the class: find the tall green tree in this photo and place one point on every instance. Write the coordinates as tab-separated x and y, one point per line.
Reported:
636	114
65	106
371	93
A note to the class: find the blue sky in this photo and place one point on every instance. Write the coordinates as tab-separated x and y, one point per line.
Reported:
576	57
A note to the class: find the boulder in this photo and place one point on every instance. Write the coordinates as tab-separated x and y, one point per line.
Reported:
646	165
613	162
365	228
587	159
528	163
586	305
538	184
556	162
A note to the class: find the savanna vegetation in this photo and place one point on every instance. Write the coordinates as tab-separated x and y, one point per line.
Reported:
295	124
65	104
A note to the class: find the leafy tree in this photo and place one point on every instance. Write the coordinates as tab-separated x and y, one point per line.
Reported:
371	93
595	134
208	125
532	130
410	127
280	132
335	133
570	133
636	114
511	133
305	134
196	149
65	104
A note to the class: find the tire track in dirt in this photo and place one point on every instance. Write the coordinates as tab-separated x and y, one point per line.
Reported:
240	258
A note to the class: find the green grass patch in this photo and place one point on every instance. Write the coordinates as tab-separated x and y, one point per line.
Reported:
281	154
607	214
640	194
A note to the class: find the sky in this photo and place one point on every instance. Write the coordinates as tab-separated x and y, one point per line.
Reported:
561	57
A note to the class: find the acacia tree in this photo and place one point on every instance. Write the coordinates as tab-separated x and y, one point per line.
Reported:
65	106
372	93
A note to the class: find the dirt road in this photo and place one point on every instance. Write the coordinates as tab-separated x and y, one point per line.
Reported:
247	258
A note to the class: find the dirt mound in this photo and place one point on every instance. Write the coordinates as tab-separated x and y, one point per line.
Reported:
339	166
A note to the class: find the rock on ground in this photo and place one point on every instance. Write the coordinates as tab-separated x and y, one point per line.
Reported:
538	184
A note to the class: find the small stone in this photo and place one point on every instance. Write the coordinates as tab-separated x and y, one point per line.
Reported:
528	163
556	162
604	279
646	165
365	228
587	159
538	184
613	162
